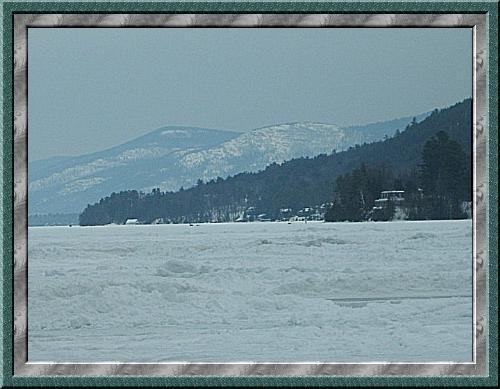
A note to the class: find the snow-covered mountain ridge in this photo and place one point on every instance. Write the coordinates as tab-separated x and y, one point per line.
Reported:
174	157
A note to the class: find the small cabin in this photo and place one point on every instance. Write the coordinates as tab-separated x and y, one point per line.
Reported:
131	222
395	196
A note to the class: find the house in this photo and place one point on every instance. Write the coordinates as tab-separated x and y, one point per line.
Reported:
297	219
386	196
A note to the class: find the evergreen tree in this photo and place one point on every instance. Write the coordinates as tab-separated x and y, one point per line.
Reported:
445	177
356	192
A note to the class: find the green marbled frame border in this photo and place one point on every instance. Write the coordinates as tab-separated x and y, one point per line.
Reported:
283	375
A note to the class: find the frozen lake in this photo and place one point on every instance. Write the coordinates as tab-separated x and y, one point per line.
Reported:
298	292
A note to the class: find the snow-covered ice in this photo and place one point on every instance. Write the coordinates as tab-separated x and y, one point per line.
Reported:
398	291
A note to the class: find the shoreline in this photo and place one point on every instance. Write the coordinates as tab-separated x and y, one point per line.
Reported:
316	222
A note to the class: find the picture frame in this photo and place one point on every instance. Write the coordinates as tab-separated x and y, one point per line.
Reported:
481	17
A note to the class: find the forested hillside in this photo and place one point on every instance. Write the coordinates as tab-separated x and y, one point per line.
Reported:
292	186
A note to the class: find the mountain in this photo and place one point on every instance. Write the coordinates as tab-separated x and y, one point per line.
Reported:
298	184
67	184
175	157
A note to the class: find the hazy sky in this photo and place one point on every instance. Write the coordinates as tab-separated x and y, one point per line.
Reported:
90	89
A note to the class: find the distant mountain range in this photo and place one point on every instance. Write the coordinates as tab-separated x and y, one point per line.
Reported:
174	157
298	185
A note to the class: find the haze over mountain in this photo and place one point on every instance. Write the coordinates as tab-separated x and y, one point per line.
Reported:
174	157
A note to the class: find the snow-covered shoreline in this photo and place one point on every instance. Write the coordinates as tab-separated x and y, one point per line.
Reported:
257	222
